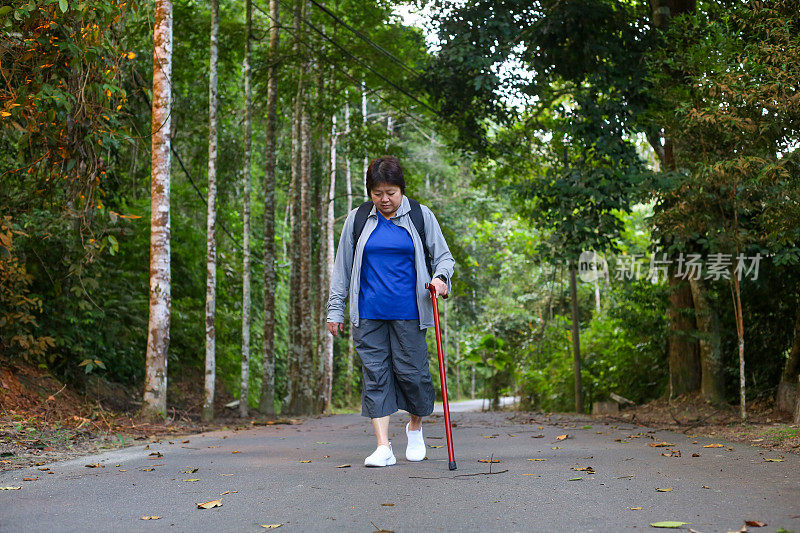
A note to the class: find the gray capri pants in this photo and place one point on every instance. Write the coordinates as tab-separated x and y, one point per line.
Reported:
394	358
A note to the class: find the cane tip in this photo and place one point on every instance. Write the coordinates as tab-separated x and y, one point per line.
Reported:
452	465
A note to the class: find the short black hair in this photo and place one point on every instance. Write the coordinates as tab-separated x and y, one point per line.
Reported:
385	169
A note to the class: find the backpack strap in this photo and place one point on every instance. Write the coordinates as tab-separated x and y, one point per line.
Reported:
358	223
416	218
419	223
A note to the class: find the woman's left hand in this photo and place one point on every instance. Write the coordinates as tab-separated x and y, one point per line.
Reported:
441	286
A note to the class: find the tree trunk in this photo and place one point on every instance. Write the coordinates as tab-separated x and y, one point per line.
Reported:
155	376
211	221
712	384
266	403
737	307
797	406
364	125
302	401
244	389
348	392
684	358
788	388
327	352
576	340
295	302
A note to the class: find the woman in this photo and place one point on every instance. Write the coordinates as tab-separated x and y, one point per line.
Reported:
381	265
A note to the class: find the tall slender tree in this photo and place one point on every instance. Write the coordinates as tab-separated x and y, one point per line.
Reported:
267	398
244	388
211	220
155	385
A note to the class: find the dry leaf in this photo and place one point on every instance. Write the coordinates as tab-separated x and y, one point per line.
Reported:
705	487
226	474
155	455
576	479
587	469
773	460
754	523
93	465
121	470
193	479
488	460
30	478
695	455
713	446
562	437
530	474
556	447
635	508
387	504
429	446
343	466
537	459
10	488
147	469
669	524
150	518
210	505
664	490
305	460
537	436
270	526
661	444
228	492
236	451
189	471
185	441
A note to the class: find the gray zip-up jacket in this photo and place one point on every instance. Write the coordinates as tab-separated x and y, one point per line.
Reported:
346	278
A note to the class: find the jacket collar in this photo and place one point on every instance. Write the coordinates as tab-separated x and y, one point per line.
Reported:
405	207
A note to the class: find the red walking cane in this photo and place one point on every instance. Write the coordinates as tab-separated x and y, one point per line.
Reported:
443	375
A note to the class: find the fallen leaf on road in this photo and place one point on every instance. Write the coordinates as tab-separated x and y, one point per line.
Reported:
539	427
530	474
670	524
587	469
343	466
226	474
743	530
122	470
30	478
626	476
147	469
664	490
576	479
769	460
489	436
556	447
713	446
754	523
193	479
270	526
185	441
228	492
661	444
326	456
150	518
210	505
562	437
635	508
93	465
189	471
695	455
305	460
537	459
537	436
439	446
705	487
387	504
10	488
488	460
236	451
155	455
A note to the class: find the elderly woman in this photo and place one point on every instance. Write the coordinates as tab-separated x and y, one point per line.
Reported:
389	249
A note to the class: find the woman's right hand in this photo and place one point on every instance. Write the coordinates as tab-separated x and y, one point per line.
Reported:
335	328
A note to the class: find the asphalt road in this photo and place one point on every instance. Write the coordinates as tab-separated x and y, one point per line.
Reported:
288	475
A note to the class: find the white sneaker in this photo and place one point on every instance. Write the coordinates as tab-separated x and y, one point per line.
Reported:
415	451
382	456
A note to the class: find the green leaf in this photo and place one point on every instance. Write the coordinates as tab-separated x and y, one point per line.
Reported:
63	5
5	10
670	524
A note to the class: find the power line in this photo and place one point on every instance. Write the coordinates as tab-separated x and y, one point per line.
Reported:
366	39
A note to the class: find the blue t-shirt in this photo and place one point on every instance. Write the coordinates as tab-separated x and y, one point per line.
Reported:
388	275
